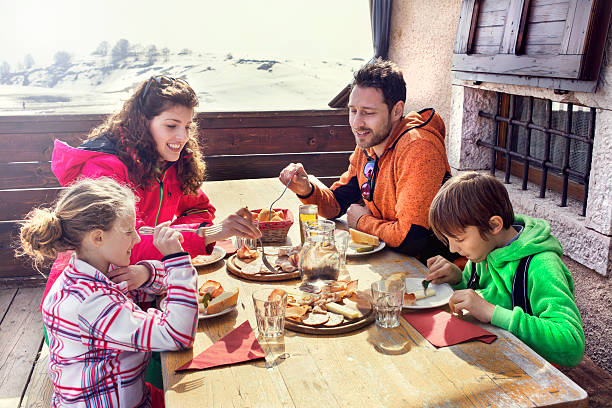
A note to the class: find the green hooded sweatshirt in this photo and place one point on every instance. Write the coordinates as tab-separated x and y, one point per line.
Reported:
555	329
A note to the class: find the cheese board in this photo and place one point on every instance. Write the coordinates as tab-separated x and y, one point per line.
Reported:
238	267
358	301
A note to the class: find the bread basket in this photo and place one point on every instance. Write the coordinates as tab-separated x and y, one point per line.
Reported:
275	231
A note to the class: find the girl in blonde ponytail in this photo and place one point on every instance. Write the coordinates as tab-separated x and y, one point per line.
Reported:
91	321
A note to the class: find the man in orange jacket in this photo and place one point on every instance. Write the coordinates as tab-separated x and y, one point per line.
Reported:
398	166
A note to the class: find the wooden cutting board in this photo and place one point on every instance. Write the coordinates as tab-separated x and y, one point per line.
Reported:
363	304
235	265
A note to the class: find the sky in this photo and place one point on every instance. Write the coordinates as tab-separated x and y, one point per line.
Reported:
265	28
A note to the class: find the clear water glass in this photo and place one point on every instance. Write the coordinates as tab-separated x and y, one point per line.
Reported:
270	311
387	300
342	239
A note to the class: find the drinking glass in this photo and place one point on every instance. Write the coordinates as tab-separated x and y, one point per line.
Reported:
342	239
306	212
388	296
270	307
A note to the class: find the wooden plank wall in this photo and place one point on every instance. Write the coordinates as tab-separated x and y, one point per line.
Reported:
235	145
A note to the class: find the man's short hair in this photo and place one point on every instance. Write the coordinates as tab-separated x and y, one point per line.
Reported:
384	75
469	199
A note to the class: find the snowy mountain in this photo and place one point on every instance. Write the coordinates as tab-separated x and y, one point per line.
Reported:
97	84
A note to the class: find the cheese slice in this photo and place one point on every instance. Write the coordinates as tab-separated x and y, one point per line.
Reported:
344	310
363	238
420	294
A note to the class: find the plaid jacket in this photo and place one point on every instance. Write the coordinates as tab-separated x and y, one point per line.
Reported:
100	341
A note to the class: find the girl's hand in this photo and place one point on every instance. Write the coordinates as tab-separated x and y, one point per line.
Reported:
472	302
134	275
167	240
238	224
441	270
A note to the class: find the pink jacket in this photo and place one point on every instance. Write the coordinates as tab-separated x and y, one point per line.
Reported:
160	202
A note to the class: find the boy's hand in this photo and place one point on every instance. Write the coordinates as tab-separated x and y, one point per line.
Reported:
472	302
167	240
134	275
441	270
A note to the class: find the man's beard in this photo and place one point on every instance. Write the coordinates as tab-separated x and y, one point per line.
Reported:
377	137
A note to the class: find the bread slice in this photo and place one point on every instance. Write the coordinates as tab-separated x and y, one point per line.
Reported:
363	238
227	299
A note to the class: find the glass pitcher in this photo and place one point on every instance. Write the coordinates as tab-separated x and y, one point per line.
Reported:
319	259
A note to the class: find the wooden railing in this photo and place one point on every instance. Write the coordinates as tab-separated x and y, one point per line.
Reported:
236	146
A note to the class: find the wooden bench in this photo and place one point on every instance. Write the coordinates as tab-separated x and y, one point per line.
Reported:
236	145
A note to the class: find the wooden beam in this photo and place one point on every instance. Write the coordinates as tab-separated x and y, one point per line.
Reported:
577	23
468	17
512	39
556	66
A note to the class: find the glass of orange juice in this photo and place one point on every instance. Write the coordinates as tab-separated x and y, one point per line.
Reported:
307	212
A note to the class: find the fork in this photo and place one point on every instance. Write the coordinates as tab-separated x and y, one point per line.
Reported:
144	230
264	259
280	196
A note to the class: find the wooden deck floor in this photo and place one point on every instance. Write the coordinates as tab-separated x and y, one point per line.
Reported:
21	337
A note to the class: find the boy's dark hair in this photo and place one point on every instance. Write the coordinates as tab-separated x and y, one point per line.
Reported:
469	199
384	75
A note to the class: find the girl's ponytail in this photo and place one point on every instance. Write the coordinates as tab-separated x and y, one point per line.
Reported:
41	235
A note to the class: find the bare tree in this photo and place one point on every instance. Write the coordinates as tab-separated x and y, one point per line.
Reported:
151	53
166	53
5	70
121	50
62	59
28	61
102	49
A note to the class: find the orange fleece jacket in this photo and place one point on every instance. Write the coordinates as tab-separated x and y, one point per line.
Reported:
410	173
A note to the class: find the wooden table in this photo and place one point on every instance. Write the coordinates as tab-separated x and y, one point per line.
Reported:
371	367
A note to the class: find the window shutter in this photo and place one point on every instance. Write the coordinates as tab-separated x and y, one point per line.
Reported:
538	42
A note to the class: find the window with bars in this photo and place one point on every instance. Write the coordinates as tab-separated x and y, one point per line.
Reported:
545	142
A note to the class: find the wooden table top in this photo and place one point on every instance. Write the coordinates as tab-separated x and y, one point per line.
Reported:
365	368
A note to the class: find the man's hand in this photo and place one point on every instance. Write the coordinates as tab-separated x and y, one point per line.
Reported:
441	270
238	224
167	240
354	213
134	275
472	302
299	179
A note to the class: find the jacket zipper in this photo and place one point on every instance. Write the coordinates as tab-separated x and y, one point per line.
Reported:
161	194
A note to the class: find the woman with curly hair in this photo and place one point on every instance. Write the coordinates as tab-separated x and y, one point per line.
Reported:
151	145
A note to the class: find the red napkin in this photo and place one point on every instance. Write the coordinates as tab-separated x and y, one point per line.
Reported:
235	347
228	245
443	329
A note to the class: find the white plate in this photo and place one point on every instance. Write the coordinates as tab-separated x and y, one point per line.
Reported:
350	251
225	311
443	293
217	254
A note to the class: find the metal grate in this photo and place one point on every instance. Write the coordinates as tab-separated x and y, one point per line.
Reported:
553	137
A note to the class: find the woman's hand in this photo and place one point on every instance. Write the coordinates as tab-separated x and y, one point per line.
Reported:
471	301
167	240
134	275
299	179
238	224
441	270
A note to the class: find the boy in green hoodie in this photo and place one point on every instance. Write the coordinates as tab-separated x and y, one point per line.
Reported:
514	278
